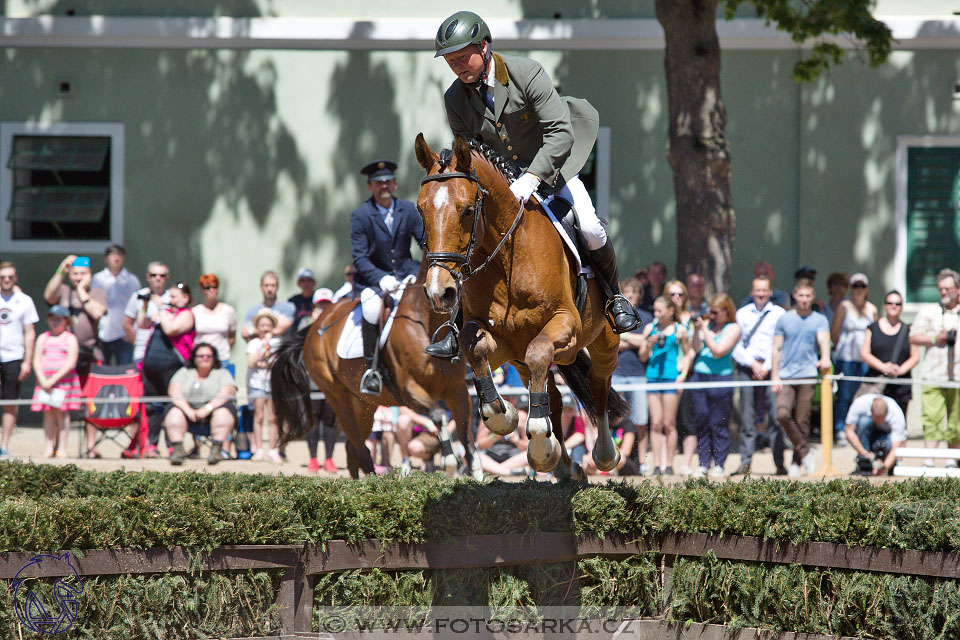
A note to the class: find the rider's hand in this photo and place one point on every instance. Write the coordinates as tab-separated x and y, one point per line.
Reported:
524	186
389	283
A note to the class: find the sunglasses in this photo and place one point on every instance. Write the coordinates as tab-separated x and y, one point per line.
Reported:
859	285
209	287
158	275
676	293
350	273
891	303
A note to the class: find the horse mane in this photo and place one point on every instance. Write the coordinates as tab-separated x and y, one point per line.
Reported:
506	168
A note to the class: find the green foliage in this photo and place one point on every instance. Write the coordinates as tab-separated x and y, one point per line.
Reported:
162	607
816	21
792	598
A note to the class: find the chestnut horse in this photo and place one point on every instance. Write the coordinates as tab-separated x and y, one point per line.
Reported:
508	267
412	378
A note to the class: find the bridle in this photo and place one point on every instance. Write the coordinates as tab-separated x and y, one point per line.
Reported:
463	271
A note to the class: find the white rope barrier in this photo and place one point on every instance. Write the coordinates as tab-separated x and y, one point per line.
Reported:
242	399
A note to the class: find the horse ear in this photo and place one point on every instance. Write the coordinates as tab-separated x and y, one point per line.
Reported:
461	149
425	155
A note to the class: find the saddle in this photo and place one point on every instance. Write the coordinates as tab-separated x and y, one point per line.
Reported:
566	214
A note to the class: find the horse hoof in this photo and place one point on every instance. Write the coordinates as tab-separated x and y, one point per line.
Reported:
502	424
543	452
606	464
573	471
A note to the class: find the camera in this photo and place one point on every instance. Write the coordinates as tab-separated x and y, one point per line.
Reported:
880	450
143	296
951	337
661	340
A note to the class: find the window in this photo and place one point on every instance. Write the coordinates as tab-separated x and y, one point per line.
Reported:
61	186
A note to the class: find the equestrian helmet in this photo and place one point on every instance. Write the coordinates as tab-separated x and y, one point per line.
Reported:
461	30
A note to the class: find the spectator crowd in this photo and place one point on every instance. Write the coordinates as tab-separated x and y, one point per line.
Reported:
181	343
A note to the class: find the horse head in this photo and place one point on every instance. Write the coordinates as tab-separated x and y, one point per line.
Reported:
450	203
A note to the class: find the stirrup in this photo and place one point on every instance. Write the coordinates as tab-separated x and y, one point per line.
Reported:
613	319
371	383
448	347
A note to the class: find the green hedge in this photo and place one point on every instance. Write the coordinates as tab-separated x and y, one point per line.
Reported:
52	507
46	508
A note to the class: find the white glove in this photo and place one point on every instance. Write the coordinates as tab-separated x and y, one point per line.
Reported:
524	186
388	283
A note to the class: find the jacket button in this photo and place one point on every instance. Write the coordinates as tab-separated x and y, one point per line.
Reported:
498	124
509	147
514	157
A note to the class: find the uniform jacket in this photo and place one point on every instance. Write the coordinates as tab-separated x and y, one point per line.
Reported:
549	136
376	252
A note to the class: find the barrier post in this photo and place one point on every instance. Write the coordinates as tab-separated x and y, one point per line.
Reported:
826	427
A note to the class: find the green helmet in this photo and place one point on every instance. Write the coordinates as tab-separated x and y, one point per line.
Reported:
461	30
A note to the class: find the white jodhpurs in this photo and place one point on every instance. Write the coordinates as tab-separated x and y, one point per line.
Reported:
574	191
371	304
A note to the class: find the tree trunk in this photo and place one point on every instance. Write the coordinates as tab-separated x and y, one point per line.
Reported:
697	146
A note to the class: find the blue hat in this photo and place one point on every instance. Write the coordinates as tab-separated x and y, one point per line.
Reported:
81	261
379	171
306	273
59	310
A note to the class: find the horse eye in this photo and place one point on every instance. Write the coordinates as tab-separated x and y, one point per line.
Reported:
469	211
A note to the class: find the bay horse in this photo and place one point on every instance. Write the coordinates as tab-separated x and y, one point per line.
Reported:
508	267
412	378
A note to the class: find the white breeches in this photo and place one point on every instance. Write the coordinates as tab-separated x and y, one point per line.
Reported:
371	303
574	191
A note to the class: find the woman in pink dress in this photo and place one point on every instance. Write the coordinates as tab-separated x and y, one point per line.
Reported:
58	387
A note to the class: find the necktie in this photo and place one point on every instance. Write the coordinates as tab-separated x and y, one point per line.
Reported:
388	220
487	96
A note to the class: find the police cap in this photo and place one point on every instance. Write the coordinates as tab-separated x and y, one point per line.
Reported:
379	171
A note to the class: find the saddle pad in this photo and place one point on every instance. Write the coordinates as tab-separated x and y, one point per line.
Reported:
350	344
571	244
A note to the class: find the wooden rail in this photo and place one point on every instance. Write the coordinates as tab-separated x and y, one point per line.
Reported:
302	563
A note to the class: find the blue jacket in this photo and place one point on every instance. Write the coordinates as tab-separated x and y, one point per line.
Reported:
376	252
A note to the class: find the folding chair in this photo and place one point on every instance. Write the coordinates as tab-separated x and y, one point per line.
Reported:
118	384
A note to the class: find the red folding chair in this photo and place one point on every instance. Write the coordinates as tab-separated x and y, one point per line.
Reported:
118	385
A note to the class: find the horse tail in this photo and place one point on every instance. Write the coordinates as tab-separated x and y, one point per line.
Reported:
576	378
290	389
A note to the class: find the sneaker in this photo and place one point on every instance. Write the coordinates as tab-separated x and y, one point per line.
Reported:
313	466
668	471
950	464
717	472
657	471
275	456
216	455
684	471
151	452
644	469
699	472
129	454
781	471
794	471
928	463
258	456
329	466
4	453
742	470
840	439
809	464
178	454
405	467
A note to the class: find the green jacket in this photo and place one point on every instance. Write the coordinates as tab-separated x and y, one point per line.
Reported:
549	136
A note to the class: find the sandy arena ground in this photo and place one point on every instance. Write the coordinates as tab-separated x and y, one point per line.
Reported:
27	444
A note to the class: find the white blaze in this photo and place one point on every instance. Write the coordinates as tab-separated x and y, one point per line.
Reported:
440	198
433	279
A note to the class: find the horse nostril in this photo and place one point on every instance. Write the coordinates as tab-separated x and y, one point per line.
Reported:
449	297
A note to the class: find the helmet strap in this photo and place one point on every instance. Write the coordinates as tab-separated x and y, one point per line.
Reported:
482	80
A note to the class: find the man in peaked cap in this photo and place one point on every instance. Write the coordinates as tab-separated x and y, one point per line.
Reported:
380	232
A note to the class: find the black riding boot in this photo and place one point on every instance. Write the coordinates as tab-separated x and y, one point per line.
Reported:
371	383
623	317
447	347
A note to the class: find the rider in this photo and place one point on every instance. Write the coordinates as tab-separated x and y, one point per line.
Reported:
380	233
510	103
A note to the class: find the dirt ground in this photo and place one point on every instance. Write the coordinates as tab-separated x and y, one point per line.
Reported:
27	444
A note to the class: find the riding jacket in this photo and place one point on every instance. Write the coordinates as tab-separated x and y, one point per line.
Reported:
376	251
546	134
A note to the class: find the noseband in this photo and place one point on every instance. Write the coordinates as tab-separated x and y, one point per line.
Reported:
463	272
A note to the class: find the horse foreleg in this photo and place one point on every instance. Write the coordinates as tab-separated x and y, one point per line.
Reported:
498	415
566	468
545	449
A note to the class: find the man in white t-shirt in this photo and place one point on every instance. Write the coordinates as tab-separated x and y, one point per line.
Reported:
875	425
119	284
17	317
136	315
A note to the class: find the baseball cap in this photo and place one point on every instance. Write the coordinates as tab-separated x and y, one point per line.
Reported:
322	295
806	271
114	248
59	310
81	261
859	278
306	273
